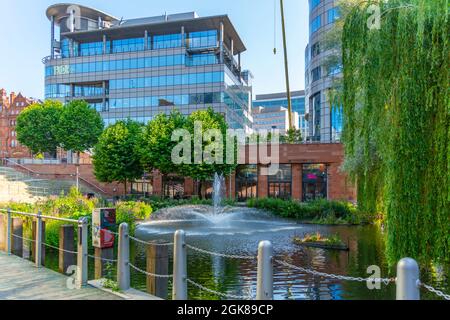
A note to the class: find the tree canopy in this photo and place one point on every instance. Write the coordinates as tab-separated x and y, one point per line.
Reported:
37	124
208	157
115	155
79	126
157	145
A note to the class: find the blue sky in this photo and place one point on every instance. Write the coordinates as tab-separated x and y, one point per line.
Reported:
24	34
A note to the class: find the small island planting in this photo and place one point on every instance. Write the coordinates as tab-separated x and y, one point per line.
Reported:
317	240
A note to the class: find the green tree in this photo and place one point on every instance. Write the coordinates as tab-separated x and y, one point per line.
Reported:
292	136
36	126
115	155
79	128
157	145
397	122
211	147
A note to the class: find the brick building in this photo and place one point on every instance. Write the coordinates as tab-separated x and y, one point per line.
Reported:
10	107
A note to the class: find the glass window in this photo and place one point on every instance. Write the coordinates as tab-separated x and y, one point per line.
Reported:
246	182
333	14
316	74
167	41
280	184
314	182
315	25
313	4
128	45
203	39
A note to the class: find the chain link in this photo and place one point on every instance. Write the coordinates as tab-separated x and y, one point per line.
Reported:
59	249
150	274
151	243
220	294
386	281
102	259
435	291
231	256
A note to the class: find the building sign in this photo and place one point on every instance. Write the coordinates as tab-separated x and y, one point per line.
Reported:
60	70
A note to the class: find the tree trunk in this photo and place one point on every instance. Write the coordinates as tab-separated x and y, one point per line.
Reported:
199	191
125	186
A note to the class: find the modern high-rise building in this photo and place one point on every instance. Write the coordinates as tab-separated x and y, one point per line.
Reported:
138	68
325	120
279	100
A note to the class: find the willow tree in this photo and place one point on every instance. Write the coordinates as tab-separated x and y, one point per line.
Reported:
397	113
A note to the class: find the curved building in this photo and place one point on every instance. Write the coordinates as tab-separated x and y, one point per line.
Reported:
138	68
325	121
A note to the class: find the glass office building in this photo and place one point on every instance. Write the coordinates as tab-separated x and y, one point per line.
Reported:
325	120
142	67
276	100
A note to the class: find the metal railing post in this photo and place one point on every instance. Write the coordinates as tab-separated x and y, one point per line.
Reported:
38	240
179	267
123	259
264	287
8	232
408	280
82	255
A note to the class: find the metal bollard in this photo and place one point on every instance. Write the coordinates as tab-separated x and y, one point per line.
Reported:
9	232
264	287
123	259
38	240
82	256
408	280
179	267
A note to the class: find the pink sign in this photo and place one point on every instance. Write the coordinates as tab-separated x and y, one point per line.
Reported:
311	176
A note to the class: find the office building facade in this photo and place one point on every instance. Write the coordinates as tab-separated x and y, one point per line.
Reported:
325	119
279	101
139	68
273	118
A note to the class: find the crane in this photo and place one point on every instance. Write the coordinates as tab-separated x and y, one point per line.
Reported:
286	67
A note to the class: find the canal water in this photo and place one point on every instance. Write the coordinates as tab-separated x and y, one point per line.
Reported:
239	234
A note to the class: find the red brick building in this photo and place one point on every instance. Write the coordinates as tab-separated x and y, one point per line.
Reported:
10	107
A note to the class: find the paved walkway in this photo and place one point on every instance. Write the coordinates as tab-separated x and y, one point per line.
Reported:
21	280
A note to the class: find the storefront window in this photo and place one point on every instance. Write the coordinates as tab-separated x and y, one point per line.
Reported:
174	187
143	186
280	184
314	182
246	182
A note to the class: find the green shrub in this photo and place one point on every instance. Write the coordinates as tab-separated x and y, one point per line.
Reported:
320	211
129	212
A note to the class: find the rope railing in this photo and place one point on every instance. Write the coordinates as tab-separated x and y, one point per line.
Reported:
154	243
102	259
23	238
222	255
220	294
386	281
59	249
437	292
149	274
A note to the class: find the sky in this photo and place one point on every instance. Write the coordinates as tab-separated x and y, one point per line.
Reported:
25	37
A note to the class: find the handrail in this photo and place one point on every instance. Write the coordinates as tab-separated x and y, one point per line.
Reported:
42	216
57	174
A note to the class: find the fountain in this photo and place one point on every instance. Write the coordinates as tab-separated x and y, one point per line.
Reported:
218	219
218	193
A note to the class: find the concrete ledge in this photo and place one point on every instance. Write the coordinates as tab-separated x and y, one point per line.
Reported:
130	294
